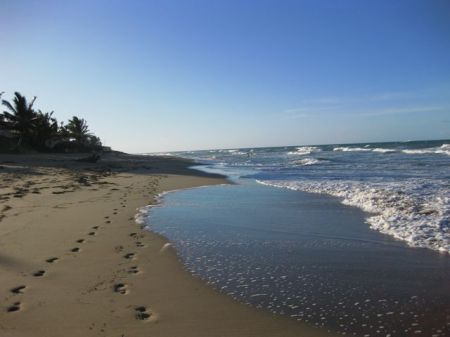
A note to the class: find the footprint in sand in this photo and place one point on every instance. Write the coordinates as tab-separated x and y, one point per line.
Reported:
80	240
133	270
133	234
95	227
39	273
121	288
14	307
75	250
51	259
91	233
129	256
18	290
141	313
139	244
108	221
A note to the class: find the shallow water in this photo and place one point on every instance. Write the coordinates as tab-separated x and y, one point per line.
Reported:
309	257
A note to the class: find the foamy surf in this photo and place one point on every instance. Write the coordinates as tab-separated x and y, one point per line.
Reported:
401	210
443	149
306	162
304	150
363	149
405	185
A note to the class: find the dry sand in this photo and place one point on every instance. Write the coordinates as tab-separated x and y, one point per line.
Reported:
74	263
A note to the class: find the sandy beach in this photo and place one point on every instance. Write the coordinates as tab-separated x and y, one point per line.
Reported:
74	262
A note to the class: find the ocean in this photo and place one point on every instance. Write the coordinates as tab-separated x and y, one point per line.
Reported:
406	186
354	238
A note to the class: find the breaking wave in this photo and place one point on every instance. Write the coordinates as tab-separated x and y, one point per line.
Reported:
443	149
304	150
416	212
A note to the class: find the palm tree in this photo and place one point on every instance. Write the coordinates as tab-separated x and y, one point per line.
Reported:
45	129
78	129
20	118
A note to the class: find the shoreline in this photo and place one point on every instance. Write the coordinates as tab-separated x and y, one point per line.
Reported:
306	256
74	262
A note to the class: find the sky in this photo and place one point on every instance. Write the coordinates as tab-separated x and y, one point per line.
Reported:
153	76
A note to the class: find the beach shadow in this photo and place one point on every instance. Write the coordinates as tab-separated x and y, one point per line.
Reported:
10	262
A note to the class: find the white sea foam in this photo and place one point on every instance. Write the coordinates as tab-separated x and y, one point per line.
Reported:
230	151
141	215
306	161
162	154
381	150
142	212
363	149
413	211
304	150
443	149
350	149
417	151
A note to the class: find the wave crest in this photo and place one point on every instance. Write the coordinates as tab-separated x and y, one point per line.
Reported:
304	150
443	149
306	162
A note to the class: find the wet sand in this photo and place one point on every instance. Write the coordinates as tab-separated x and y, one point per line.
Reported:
74	263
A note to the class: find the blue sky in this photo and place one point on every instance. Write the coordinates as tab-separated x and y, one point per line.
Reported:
180	75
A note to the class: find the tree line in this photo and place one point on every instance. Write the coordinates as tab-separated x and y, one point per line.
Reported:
23	128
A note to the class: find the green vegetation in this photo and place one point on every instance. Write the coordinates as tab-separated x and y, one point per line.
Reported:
23	128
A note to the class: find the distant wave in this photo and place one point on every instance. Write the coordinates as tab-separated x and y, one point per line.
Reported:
304	150
363	149
306	161
443	149
230	152
381	150
236	151
162	154
410	211
351	149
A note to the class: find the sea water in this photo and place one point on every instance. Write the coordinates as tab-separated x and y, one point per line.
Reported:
353	239
406	186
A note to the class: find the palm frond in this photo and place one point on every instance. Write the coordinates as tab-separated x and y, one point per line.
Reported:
9	106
